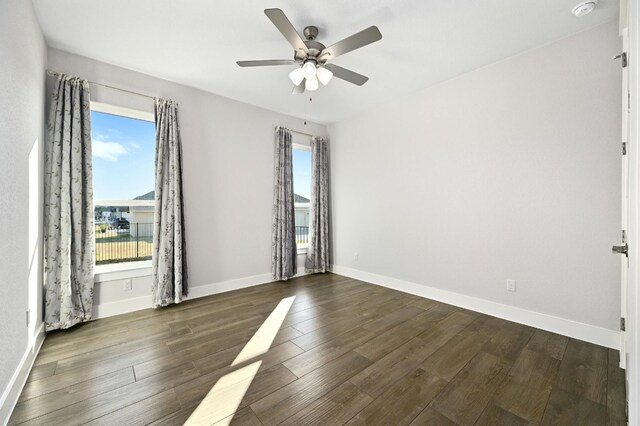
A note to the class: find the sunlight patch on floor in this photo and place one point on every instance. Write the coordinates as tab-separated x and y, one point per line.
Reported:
222	401
263	338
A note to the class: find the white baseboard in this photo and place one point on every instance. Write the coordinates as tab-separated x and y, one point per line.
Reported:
133	304
581	331
224	286
14	388
123	306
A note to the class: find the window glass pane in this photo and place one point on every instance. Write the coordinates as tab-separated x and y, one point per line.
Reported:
123	151
302	193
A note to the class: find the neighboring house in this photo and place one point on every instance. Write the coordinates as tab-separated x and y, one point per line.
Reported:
142	217
111	213
301	209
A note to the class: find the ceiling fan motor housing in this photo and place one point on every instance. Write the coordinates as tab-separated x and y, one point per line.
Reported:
314	48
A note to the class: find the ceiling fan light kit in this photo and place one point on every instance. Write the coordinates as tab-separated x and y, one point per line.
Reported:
311	57
296	76
311	84
324	75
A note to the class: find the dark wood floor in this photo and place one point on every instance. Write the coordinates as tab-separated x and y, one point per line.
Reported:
347	352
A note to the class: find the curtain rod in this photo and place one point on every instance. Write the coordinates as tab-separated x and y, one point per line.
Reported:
56	73
275	126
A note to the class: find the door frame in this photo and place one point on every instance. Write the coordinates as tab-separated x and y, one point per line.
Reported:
630	15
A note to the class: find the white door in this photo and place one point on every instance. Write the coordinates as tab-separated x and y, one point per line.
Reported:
623	248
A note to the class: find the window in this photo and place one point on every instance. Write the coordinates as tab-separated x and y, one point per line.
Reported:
123	151
302	192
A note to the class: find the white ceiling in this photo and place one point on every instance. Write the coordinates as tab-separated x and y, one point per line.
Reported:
196	42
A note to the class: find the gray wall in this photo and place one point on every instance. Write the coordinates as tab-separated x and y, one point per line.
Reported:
228	172
23	56
511	171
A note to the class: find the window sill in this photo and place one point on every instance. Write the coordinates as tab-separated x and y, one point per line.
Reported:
120	271
302	249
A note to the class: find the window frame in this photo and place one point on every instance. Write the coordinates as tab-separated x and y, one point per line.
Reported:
136	268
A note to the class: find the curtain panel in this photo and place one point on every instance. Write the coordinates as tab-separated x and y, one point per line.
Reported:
69	246
169	264
318	252
283	226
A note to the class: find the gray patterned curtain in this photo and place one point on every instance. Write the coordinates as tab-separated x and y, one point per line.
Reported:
318	251
283	225
68	206
169	264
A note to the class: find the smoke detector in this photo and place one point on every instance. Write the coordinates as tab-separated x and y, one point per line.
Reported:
584	8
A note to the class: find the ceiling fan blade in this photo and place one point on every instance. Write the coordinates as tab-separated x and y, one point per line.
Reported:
347	75
356	41
298	89
283	24
266	63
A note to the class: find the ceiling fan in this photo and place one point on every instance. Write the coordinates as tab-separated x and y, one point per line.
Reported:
311	56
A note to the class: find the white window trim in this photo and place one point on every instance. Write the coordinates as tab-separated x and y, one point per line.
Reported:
122	111
301	147
124	203
121	271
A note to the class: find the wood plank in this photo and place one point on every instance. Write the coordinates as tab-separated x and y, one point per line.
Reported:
391	339
335	408
100	405
377	378
142	412
429	416
70	378
245	417
321	355
583	371
552	344
526	390
565	408
60	399
381	374
616	400
496	416
467	395
426	304
266	383
194	391
114	355
206	361
449	359
403	401
293	397
42	371
176	418
93	346
391	320
327	332
508	340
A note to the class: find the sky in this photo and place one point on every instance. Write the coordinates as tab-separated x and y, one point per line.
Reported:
302	172
123	156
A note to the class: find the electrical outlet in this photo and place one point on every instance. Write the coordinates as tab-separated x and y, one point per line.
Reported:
128	284
511	285
355	256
